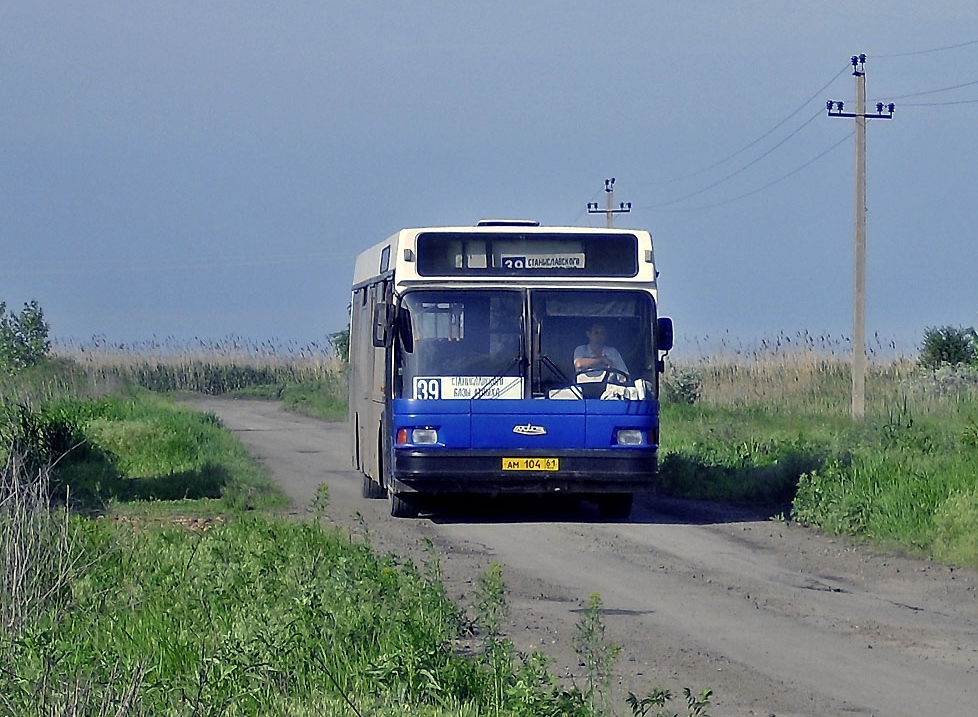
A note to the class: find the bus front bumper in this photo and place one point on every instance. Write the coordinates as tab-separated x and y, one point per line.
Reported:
591	472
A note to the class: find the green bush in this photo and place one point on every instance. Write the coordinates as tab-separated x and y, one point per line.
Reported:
948	345
38	438
340	341
137	447
681	385
23	337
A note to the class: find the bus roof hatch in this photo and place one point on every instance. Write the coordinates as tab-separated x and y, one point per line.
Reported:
507	223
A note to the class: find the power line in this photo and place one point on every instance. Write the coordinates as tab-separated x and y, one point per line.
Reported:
779	179
795	112
781	123
938	90
584	211
738	171
926	52
763	136
937	104
610	210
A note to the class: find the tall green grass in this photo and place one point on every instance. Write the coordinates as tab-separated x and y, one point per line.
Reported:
256	615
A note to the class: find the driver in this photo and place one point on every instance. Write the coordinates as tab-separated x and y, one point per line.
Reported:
596	355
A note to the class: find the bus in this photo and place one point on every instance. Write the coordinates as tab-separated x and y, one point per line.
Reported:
506	358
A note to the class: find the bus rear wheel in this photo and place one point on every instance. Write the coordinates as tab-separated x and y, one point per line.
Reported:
371	488
402	507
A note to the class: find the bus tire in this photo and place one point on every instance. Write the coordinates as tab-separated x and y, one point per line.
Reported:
371	489
616	506
401	507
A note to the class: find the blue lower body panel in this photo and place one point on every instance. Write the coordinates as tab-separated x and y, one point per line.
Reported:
576	441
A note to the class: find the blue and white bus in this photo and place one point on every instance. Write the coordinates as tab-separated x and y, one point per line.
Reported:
507	358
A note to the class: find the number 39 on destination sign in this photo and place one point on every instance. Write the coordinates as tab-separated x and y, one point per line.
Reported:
531	464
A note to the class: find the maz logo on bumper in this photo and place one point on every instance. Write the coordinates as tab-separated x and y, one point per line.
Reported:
530	430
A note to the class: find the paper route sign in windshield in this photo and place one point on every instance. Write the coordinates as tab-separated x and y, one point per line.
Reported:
431	388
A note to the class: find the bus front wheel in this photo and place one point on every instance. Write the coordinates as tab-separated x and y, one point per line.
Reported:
615	505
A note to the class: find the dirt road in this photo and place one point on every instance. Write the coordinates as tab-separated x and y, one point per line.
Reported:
776	619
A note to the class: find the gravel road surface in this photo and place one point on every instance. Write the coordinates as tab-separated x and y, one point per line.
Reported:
776	619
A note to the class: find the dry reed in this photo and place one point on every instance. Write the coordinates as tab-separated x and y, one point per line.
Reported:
36	543
812	374
210	367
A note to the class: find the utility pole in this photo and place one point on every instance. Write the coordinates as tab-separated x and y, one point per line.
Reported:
609	211
836	109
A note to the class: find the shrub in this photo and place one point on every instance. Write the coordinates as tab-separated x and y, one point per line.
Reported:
682	385
948	345
23	337
340	341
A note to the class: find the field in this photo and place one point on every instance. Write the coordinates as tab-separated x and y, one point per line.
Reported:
147	571
772	427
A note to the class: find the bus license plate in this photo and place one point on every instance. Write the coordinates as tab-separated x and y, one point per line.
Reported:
531	464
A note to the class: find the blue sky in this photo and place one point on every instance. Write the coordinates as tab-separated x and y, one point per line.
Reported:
210	169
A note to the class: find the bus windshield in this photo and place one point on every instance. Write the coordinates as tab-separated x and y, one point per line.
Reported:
521	343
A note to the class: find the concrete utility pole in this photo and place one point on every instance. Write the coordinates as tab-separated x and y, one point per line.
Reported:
609	210
835	109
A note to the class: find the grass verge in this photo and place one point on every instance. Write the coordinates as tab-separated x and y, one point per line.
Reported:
253	615
774	431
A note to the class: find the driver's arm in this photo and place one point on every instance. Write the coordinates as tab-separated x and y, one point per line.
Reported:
586	362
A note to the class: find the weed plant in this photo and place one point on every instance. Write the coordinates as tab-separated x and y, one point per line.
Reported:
597	653
37	545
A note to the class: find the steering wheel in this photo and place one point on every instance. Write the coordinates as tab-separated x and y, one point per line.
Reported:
608	373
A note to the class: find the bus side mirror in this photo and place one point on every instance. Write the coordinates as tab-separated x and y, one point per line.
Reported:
382	324
663	334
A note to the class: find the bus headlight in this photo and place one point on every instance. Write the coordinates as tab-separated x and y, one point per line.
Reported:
416	436
424	436
629	437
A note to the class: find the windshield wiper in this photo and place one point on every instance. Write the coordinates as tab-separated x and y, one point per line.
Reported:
548	362
484	389
518	360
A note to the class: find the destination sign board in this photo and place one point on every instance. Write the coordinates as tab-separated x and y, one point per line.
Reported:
577	254
543	261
